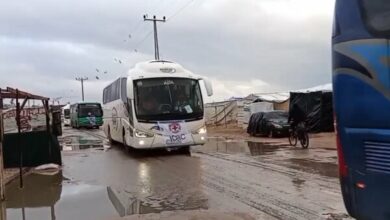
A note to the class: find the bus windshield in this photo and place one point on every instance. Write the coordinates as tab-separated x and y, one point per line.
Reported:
66	113
168	99
377	14
86	110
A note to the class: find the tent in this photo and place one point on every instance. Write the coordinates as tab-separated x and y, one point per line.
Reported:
318	108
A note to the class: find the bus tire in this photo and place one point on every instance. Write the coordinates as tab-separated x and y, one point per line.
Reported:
124	138
109	135
185	150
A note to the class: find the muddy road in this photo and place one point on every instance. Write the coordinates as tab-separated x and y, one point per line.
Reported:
103	181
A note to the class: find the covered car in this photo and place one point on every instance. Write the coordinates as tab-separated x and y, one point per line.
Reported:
272	124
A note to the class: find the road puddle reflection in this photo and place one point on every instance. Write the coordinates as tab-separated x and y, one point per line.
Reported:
227	146
52	197
55	197
323	168
127	204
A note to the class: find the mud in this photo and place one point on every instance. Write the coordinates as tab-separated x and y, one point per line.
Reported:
267	180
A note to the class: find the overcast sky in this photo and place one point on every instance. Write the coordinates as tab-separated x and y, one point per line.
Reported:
243	46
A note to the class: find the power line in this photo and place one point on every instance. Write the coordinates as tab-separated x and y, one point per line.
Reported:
180	10
155	20
135	48
139	43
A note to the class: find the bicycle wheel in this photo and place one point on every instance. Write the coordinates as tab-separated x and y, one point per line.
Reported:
292	139
304	140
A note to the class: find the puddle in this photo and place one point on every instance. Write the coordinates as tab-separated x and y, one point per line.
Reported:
235	147
76	147
48	197
127	204
78	142
323	168
55	197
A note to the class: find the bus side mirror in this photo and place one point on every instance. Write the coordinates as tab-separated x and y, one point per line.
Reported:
209	87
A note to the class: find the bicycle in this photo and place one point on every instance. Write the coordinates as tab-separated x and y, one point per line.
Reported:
299	133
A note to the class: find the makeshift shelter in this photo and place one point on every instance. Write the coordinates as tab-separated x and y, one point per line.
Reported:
26	146
270	101
318	108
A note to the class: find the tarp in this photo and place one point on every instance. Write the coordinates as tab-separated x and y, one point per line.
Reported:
318	108
256	107
38	147
254	122
272	97
321	88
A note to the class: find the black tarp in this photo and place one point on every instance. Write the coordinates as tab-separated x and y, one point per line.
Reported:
38	147
254	123
318	108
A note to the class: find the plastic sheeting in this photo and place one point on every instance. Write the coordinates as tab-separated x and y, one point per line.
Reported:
254	123
318	108
256	107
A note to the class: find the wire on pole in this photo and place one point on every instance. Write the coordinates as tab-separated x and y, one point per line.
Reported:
155	20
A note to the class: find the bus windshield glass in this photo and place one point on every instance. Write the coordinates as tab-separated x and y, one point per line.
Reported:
66	113
377	14
86	110
168	99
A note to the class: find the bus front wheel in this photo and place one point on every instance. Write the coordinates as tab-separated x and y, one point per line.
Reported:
109	135
124	138
185	150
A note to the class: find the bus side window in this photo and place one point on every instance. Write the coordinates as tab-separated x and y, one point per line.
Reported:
124	89
130	110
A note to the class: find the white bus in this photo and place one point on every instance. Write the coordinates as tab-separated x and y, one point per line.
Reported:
66	114
158	105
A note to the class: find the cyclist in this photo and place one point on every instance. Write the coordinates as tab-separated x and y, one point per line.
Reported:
296	116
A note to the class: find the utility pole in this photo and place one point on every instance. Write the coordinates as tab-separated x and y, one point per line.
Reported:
81	79
156	49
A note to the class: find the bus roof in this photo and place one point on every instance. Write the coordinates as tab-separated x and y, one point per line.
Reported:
67	106
81	102
160	69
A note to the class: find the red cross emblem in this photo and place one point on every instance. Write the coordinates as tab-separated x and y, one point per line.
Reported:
175	127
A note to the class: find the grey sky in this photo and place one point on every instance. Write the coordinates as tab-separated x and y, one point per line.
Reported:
243	46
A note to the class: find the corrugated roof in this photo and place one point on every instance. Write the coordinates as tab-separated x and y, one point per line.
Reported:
273	97
279	97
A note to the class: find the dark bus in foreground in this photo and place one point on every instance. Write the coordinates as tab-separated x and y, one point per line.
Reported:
86	115
361	83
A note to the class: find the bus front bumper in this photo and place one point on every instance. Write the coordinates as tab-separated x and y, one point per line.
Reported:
160	141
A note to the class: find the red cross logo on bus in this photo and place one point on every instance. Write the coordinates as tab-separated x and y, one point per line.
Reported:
175	127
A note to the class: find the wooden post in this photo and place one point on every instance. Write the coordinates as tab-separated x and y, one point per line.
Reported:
18	141
224	115
52	212
216	116
48	128
2	181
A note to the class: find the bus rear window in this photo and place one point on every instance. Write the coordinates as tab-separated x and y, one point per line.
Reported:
376	14
90	110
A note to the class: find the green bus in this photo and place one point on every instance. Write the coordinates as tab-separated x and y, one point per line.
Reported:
86	114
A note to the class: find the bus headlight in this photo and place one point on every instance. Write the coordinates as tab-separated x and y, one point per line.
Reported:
142	134
201	130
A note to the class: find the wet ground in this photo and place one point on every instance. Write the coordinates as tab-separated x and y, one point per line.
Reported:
267	180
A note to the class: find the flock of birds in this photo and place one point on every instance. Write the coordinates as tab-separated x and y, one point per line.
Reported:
117	60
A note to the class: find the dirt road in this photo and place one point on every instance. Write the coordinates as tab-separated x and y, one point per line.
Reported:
266	180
